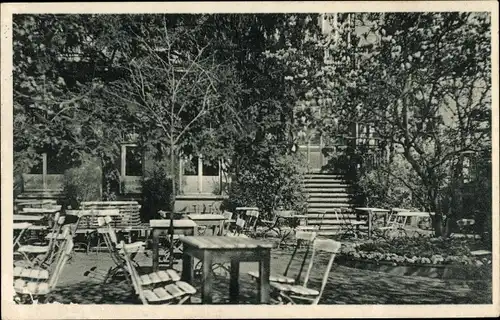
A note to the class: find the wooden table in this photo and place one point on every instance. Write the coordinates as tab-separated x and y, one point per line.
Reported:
372	212
20	227
27	217
40	210
181	227
219	249
209	221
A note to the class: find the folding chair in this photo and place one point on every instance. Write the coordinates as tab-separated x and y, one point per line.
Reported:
158	287
32	253
228	221
38	282
115	249
302	238
347	226
295	293
394	227
314	228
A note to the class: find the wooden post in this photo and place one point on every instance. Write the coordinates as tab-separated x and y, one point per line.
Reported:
200	173
122	168
181	172
44	170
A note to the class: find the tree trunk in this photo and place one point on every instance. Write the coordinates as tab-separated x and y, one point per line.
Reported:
437	220
172	204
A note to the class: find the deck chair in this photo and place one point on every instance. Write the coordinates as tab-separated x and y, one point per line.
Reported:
43	254
347	226
115	249
39	282
302	238
158	287
291	294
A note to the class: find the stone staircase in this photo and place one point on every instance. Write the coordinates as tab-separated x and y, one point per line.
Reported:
327	192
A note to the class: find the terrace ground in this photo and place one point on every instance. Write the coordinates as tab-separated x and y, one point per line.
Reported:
345	285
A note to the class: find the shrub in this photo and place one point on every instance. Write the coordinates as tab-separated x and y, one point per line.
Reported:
156	190
269	184
83	183
391	184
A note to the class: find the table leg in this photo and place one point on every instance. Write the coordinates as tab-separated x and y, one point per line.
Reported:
187	267
206	293
264	272
156	248
234	285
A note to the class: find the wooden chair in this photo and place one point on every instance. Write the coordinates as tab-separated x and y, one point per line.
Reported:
395	225
38	282
321	213
291	294
228	221
42	254
116	250
302	238
158	287
347	226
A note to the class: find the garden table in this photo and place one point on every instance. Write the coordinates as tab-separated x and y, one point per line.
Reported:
20	227
184	227
213	221
27	217
220	249
372	212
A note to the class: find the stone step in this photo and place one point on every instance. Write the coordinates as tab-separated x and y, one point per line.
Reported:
329	200
325	181
329	205
324	176
326	194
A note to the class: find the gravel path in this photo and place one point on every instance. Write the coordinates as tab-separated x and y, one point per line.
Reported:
345	286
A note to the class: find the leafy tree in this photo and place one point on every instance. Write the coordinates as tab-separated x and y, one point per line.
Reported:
424	87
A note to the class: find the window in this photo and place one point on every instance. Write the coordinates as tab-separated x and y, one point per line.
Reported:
191	167
56	163
38	167
133	161
211	168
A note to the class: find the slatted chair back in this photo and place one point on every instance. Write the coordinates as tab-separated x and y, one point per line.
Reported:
134	275
251	217
129	211
110	239
322	245
301	237
240	225
62	259
54	238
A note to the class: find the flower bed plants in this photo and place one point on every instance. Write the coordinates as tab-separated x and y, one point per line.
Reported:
435	257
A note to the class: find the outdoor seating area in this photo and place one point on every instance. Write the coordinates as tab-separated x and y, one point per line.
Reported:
270	159
206	248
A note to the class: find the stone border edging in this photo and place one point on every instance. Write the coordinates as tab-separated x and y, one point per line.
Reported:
420	270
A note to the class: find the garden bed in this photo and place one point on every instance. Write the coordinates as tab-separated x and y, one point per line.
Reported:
433	258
